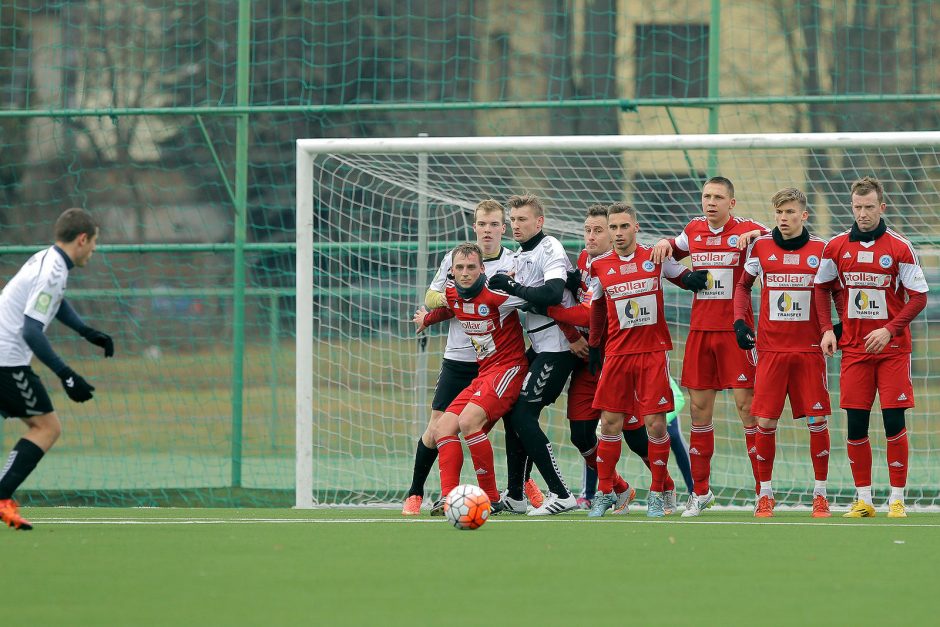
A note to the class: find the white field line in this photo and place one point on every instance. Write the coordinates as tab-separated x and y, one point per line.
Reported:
577	521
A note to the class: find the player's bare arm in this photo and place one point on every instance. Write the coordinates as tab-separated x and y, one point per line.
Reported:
662	250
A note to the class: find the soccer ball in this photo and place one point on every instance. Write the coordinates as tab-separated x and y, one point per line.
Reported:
467	507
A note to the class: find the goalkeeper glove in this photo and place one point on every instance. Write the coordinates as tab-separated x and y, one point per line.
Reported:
573	284
533	308
744	335
696	280
595	360
78	389
837	329
503	283
101	339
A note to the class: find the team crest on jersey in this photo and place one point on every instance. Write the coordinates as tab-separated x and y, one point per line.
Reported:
733	240
484	310
885	261
648	265
812	261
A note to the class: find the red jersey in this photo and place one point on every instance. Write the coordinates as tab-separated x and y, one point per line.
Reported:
491	322
633	291
578	315
787	321
878	277
715	250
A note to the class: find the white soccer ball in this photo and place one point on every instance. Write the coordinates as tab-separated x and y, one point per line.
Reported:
467	507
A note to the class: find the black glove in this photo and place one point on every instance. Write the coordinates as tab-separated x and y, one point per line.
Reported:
75	386
573	284
837	329
504	283
595	359
745	335
533	308
696	280
100	339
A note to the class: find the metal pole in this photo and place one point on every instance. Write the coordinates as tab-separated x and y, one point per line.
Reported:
274	332
714	76
303	411
421	369
241	228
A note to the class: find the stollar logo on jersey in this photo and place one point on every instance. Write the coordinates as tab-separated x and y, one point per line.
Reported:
484	310
648	265
42	302
885	261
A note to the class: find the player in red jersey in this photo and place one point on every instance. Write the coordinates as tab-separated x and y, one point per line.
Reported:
627	302
583	418
492	322
712	360
790	362
883	290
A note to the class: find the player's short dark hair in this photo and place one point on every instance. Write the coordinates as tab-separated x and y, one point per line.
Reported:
621	207
788	194
867	185
720	180
466	249
597	211
521	200
489	206
72	223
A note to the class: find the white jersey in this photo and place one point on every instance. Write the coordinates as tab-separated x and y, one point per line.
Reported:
459	347
545	262
36	291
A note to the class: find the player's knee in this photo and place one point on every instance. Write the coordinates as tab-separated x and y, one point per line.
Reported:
766	423
582	439
893	420
45	430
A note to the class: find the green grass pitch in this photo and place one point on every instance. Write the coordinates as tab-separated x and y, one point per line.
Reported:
372	567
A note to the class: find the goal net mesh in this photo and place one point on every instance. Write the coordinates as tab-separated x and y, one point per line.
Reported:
372	388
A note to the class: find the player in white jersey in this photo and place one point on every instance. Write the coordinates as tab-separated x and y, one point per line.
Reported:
541	273
459	366
29	302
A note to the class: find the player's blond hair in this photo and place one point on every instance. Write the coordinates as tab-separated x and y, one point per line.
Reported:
788	194
489	206
521	200
466	249
622	207
867	185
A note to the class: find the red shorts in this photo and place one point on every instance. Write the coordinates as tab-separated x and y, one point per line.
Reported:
713	361
635	385
801	376
495	392
581	394
862	374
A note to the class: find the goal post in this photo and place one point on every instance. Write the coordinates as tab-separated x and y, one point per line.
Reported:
374	217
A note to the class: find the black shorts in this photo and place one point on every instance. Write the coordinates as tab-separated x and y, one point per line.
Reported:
22	394
548	373
455	377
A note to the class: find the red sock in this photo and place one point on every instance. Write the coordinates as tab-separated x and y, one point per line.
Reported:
449	461
590	458
766	443
819	449
481	452
750	440
860	460
659	458
668	483
608	454
897	459
701	449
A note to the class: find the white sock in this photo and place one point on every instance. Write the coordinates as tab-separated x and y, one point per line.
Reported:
864	494
897	494
819	488
766	490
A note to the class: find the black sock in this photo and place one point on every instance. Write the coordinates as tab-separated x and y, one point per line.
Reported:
528	468
424	461
515	462
22	460
537	446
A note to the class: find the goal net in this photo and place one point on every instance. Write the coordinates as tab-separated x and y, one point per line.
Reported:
376	216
